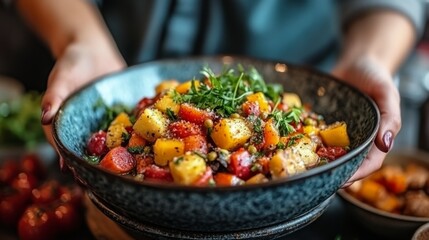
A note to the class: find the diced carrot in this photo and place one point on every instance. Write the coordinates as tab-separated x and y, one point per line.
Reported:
118	160
136	141
192	114
227	179
271	135
196	143
156	173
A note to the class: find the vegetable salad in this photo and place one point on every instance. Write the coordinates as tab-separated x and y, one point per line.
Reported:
223	129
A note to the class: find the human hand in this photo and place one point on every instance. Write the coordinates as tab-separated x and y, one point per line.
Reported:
78	65
374	79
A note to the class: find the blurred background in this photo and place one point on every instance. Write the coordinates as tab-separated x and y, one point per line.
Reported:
25	63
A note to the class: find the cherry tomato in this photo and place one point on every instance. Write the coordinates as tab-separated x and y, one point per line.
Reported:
97	144
37	223
32	164
8	170
46	193
67	217
25	182
72	194
12	204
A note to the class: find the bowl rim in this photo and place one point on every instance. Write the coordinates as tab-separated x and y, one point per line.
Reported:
227	59
403	152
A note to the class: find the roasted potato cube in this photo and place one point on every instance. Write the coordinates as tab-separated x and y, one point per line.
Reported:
166	85
291	100
166	102
166	149
230	133
151	124
286	163
187	169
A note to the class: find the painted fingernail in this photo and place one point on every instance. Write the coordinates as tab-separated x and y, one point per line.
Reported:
388	140
45	118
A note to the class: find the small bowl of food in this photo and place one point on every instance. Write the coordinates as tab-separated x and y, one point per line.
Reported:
215	144
393	201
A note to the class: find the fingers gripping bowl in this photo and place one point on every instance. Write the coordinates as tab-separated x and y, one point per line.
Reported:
221	208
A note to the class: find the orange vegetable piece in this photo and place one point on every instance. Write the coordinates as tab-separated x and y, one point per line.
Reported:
371	191
271	135
118	160
193	114
196	143
136	141
227	179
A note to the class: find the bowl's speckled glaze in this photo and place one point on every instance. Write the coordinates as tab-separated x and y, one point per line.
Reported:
223	208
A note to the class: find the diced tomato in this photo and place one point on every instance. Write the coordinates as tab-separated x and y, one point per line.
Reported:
197	143
118	160
97	144
241	164
227	179
298	127
142	105
182	129
331	153
250	108
192	114
153	172
204	180
143	161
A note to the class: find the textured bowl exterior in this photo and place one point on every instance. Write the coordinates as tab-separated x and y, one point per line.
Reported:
222	208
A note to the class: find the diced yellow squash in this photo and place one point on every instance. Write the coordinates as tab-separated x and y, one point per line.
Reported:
123	119
335	135
187	169
115	135
166	85
291	100
184	87
230	133
311	130
166	149
261	100
166	102
151	124
258	178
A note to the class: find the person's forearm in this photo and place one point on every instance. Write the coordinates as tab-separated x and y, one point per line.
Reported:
61	22
384	35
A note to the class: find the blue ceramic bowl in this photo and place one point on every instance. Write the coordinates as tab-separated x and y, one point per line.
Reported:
217	209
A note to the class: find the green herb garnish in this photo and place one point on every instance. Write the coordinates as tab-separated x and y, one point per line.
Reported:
225	93
283	120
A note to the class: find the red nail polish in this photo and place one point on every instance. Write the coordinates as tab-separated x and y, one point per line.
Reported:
388	139
44	117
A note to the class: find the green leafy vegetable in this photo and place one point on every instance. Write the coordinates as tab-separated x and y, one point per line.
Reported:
20	121
224	93
283	120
